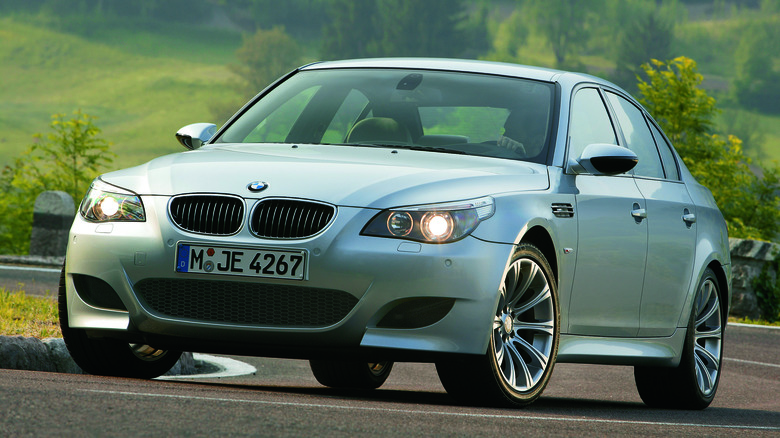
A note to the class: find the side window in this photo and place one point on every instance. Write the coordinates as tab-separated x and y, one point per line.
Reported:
667	157
640	140
589	122
345	117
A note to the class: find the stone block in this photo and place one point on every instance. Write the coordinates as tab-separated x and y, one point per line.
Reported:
53	216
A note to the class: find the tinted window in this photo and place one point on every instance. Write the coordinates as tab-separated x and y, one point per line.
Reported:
670	164
474	114
590	122
638	138
345	117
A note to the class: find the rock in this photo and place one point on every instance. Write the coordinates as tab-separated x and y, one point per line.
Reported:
51	354
53	215
21	353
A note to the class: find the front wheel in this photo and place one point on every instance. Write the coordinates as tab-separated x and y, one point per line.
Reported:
523	340
692	384
110	357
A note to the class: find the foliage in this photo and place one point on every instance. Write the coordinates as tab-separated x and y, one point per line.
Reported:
565	25
645	33
350	32
66	159
28	316
767	288
509	36
757	81
263	58
440	28
673	96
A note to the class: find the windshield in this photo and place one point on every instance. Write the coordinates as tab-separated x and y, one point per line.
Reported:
436	111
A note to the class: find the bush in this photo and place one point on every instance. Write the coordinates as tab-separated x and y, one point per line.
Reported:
749	203
67	159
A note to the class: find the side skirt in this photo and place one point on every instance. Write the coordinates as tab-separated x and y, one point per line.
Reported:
664	352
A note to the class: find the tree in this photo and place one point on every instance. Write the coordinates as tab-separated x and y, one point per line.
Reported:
442	28
66	159
413	28
351	30
672	95
508	37
264	57
564	23
644	34
757	81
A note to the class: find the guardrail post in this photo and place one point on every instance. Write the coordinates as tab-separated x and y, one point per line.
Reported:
53	215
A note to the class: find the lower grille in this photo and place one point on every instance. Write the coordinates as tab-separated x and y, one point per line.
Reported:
245	303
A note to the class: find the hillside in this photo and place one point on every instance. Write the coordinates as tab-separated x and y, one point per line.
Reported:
142	84
146	79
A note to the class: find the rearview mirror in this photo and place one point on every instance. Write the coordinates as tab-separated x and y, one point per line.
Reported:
193	136
605	159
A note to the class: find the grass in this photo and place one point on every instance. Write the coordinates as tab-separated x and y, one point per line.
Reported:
142	84
753	321
28	316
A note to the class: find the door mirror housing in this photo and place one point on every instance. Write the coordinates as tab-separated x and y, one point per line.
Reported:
605	159
195	135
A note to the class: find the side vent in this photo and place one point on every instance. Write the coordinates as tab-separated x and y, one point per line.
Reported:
563	210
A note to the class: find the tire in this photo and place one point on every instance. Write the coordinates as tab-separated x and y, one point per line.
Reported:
109	357
350	374
523	341
694	382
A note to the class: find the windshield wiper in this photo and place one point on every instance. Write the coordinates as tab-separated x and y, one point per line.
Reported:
409	147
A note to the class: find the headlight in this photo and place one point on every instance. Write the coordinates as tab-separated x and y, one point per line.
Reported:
433	223
105	202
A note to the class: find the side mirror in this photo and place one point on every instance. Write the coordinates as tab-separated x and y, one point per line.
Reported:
193	136
605	159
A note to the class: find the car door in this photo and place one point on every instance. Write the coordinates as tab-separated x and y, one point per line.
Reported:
612	234
670	221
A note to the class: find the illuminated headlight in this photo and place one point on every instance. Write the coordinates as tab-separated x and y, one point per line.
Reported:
105	202
433	223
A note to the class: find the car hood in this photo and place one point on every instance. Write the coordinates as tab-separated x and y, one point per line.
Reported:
342	175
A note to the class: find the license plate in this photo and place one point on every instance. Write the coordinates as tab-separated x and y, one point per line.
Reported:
254	262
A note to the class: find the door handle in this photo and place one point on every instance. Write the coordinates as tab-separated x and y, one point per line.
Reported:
688	217
638	213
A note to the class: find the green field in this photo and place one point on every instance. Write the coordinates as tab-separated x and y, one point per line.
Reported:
142	85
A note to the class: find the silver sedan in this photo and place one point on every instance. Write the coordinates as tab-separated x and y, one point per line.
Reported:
491	218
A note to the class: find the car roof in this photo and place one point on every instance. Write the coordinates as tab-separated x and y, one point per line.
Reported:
466	66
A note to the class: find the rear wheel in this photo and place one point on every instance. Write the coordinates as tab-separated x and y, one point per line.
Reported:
523	340
351	374
692	384
109	357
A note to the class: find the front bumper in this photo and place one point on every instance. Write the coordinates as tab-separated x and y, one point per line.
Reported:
379	273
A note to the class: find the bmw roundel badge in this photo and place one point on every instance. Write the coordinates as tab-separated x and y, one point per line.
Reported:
257	186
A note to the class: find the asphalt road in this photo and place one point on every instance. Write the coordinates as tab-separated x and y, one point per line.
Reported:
283	399
34	280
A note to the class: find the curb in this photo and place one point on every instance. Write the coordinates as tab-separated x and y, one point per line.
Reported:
47	261
51	354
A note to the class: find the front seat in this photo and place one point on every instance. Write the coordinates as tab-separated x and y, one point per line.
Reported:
381	130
